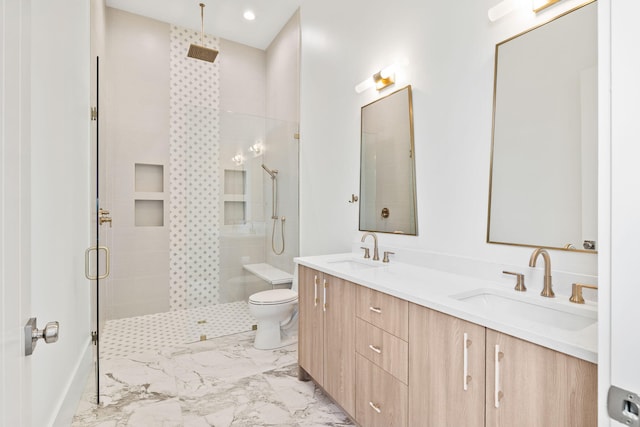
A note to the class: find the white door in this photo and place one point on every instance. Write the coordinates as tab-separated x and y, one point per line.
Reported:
15	369
625	199
44	206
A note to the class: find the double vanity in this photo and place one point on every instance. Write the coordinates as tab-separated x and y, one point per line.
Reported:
398	344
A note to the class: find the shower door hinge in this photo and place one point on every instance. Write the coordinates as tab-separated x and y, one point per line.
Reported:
94	114
94	337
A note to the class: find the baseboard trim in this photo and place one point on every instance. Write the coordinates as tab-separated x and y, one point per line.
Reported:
72	392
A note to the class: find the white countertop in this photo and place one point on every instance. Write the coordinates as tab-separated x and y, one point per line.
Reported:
438	290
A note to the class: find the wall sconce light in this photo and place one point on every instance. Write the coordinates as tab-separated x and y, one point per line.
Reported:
381	79
501	9
257	148
238	159
538	5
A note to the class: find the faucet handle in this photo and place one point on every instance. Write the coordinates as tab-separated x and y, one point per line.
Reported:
576	292
520	287
366	251
386	256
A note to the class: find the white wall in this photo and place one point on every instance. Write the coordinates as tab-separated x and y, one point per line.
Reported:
137	105
449	56
60	196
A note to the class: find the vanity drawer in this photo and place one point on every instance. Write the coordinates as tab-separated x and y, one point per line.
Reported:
381	400
383	349
384	311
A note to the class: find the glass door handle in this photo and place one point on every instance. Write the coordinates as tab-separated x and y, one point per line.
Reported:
107	268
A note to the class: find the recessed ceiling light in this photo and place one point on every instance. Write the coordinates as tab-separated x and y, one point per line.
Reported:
249	15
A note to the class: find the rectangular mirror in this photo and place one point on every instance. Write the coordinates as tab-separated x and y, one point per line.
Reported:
387	167
544	170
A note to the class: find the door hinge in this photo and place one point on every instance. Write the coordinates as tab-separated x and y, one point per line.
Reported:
94	114
94	337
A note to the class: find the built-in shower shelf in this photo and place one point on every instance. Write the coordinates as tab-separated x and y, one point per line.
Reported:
149	195
235	181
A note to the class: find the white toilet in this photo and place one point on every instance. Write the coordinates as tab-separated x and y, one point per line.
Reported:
276	312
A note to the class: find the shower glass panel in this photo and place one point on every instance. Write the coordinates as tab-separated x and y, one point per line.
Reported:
221	210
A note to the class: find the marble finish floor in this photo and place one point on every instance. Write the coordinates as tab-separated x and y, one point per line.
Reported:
218	382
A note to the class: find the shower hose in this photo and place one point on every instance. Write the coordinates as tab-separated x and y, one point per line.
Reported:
273	235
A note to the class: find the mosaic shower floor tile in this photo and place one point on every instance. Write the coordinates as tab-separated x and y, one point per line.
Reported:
123	337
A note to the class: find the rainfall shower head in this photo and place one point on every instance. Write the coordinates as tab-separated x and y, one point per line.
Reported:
273	172
202	52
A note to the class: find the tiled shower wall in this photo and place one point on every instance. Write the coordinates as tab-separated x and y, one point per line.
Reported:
194	186
169	110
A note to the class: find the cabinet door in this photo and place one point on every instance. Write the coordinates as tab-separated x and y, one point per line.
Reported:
532	386
311	326
339	344
446	372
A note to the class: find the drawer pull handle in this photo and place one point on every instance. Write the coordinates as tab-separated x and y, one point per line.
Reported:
375	309
497	393
315	291
465	350
374	348
324	295
375	407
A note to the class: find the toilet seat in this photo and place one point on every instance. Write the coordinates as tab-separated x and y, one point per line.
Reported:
273	297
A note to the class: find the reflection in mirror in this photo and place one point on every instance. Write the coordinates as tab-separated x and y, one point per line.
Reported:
544	169
387	167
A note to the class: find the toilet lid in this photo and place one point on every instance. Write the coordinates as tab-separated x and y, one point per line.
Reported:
274	296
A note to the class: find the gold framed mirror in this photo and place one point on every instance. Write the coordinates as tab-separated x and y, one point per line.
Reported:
387	165
543	185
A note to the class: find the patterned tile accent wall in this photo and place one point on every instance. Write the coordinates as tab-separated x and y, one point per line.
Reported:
194	206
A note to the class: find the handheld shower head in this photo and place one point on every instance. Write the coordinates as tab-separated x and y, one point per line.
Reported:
272	173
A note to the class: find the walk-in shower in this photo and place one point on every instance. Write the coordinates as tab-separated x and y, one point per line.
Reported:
274	211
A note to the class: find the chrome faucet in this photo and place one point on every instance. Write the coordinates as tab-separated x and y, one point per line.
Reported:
376	257
547	291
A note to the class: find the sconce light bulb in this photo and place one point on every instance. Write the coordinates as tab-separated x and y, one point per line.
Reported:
238	159
364	85
387	72
500	10
256	148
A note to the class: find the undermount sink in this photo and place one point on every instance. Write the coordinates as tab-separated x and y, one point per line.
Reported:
354	265
520	308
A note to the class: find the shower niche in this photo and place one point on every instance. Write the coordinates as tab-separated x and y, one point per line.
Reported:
149	195
235	191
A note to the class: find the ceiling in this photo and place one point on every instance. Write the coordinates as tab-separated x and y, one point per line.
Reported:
222	18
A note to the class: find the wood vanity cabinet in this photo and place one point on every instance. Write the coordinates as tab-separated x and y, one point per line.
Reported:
326	338
446	370
391	363
509	381
532	386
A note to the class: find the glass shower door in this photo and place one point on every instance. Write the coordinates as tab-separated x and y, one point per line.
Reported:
97	258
